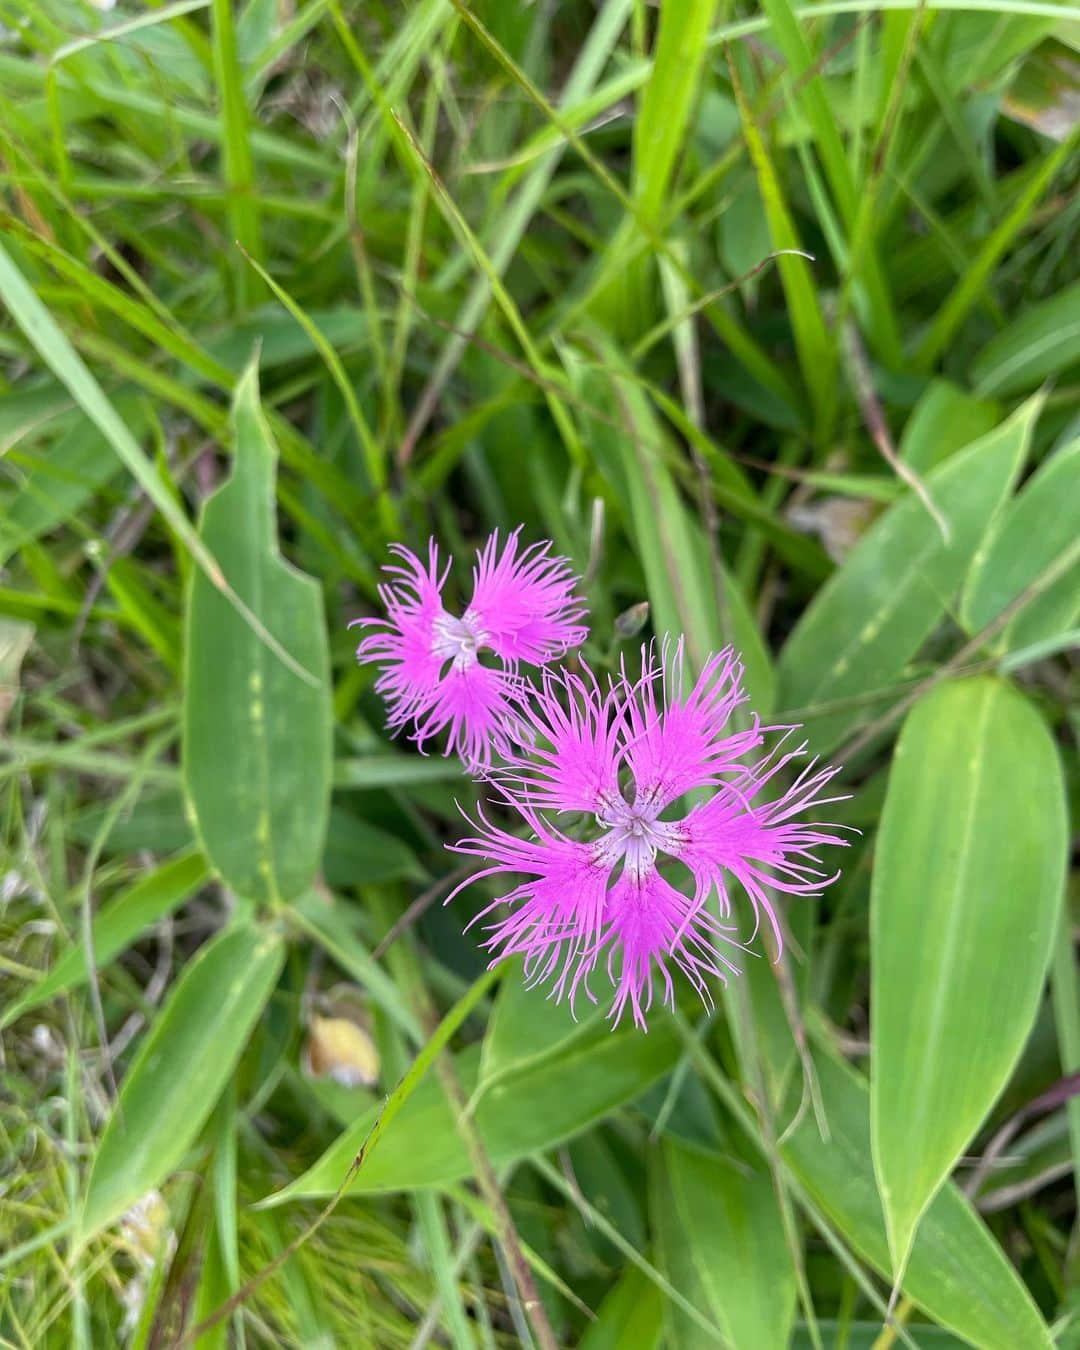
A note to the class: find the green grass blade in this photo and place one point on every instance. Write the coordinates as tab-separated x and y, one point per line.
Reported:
965	294
239	166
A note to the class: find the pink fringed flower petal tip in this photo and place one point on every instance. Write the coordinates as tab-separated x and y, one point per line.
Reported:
434	675
607	894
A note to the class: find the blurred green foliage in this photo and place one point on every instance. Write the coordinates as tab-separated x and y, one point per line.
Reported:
768	318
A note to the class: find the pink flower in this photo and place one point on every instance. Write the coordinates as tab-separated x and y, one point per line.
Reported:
604	893
523	608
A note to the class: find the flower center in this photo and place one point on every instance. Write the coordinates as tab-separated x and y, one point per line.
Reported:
633	834
457	640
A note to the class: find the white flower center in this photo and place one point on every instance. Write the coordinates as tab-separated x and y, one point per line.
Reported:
457	640
635	835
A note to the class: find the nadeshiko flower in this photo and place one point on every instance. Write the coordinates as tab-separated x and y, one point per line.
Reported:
444	672
604	840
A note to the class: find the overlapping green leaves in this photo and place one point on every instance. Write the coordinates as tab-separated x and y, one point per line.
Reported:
871	616
535	1107
956	1272
723	1248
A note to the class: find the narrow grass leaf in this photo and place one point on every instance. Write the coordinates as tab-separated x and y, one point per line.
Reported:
964	905
62	359
239	163
816	101
118	925
55	483
674	549
667	101
59	355
510	224
964	296
816	349
1040	344
373	455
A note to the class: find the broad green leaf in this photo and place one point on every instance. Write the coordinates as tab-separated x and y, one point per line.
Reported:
281	340
256	735
1041	343
358	853
116	927
945	419
956	1273
1038	528
181	1066
31	407
867	1336
872	615
631	1314
723	1246
524	1112
527	1026
159	821
966	894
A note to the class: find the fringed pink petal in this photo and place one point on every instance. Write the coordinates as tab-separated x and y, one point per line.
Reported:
678	741
524	601
431	674
553	917
649	925
570	755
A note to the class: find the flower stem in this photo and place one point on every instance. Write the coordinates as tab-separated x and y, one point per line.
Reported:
492	1192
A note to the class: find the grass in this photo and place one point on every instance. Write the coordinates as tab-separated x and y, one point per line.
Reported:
701	294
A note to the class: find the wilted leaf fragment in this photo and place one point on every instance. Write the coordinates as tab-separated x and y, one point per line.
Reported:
15	640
